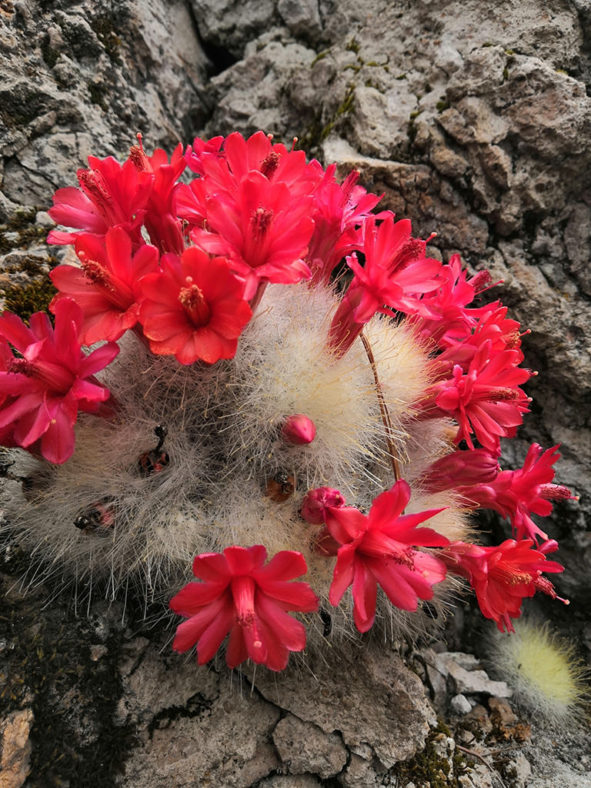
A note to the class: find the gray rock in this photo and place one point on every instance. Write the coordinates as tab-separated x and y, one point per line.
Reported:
304	747
470	681
460	704
397	714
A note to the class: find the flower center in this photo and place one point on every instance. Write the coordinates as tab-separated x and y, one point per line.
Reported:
260	222
270	164
193	301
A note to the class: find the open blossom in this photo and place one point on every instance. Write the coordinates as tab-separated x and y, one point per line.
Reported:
194	308
516	494
163	225
224	163
379	549
444	312
502	576
241	596
339	212
395	272
262	230
110	195
486	401
53	379
107	285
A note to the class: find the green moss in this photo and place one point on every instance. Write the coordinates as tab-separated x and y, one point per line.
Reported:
26	299
353	46
105	27
442	105
319	56
27	232
428	767
317	133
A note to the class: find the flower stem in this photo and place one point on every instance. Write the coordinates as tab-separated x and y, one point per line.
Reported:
383	408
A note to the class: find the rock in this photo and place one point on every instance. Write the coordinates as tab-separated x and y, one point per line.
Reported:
397	714
302	17
517	770
304	747
460	704
290	781
193	726
15	748
470	681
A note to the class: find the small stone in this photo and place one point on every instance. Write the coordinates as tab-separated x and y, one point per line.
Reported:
480	720
517	769
43	219
97	651
16	748
460	704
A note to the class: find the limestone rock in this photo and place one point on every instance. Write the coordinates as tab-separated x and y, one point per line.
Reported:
305	747
379	695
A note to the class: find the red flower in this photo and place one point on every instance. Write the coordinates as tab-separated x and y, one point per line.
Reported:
502	576
243	597
161	221
45	388
106	287
486	401
111	195
339	210
516	494
193	309
262	230
461	468
396	271
379	549
443	312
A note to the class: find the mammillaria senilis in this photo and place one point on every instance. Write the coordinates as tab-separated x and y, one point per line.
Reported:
297	377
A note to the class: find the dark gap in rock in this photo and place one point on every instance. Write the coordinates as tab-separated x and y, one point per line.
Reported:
219	57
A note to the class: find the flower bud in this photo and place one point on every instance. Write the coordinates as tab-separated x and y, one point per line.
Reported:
298	429
316	502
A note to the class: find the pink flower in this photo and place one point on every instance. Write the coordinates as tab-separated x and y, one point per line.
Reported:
110	195
443	312
298	429
485	401
396	271
339	210
106	286
502	576
45	388
194	308
516	494
379	549
241	596
460	468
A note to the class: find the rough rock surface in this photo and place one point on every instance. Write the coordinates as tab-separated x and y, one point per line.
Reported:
474	119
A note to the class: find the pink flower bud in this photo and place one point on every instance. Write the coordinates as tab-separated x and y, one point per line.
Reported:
461	468
316	502
298	429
